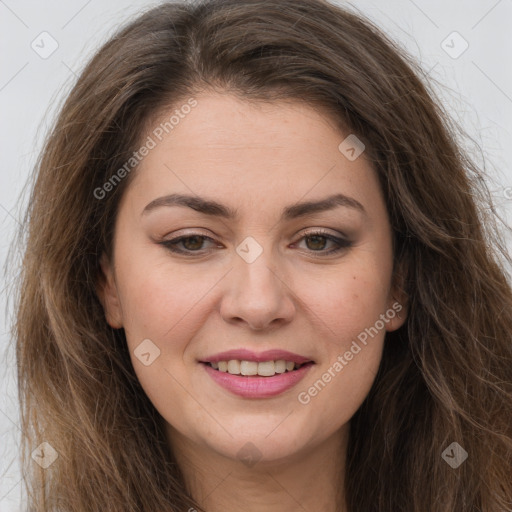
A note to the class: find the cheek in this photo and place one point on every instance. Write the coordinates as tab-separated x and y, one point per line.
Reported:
335	394
350	303
159	299
347	298
351	352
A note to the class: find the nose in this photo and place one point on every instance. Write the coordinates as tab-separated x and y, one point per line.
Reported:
256	295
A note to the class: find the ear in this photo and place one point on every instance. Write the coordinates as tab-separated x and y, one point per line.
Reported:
106	290
398	305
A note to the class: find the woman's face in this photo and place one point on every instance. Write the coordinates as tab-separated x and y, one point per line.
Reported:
243	269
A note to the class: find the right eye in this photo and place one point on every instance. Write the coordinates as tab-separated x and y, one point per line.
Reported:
190	244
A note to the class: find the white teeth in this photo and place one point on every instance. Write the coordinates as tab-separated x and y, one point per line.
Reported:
280	366
264	369
248	368
234	367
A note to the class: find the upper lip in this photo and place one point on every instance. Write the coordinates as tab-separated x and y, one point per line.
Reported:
247	355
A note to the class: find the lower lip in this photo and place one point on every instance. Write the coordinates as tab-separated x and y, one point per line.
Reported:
255	386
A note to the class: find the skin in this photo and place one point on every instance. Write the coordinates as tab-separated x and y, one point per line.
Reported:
257	158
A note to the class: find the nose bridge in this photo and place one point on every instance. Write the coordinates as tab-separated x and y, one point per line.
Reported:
253	274
256	294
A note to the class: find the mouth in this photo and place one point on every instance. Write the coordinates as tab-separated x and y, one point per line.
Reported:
256	369
257	386
251	376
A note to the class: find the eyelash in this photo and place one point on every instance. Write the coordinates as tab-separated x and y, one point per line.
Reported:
342	244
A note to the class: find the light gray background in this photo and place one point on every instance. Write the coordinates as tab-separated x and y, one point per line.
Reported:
477	89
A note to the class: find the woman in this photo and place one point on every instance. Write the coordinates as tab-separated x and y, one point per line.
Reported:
258	275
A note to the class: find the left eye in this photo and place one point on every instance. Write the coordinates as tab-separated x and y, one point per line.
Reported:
318	241
194	243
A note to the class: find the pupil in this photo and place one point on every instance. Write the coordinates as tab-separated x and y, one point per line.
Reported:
196	238
316	238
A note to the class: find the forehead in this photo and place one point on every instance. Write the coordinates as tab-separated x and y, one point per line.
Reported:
245	123
249	152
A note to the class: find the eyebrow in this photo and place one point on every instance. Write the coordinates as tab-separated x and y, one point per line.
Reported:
213	208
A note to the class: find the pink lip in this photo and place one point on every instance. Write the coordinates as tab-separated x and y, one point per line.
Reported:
247	355
255	386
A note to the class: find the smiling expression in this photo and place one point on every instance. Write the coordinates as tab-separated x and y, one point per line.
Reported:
247	229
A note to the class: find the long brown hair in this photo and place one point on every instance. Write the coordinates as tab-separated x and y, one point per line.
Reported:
445	376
